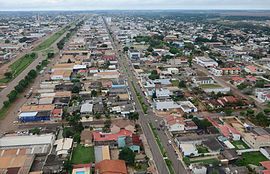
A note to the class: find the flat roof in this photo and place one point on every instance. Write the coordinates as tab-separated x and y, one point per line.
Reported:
26	140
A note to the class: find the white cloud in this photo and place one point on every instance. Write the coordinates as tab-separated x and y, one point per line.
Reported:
131	4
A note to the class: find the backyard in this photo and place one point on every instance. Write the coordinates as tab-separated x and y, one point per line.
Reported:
83	155
251	158
240	145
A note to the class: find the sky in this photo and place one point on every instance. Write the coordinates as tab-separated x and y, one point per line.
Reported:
6	5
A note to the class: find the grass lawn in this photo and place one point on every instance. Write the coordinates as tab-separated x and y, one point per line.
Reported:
240	145
251	158
19	65
205	161
205	86
48	42
175	83
83	155
202	149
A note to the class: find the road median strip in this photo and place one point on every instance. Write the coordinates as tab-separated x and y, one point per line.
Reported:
161	149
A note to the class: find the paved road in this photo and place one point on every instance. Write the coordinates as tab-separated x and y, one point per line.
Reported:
222	82
150	117
14	82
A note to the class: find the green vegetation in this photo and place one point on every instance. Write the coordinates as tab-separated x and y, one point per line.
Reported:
154	75
240	145
18	66
12	96
140	98
202	124
251	158
48	42
213	161
83	155
161	148
127	155
141	167
202	149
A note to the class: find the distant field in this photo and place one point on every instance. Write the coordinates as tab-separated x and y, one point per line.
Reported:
205	86
19	65
48	42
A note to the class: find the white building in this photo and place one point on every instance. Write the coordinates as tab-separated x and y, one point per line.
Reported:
206	62
63	146
187	107
189	149
134	54
165	105
86	108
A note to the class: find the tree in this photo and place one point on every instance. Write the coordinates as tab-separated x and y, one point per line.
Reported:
32	74
125	49
107	126
182	84
12	95
133	116
228	112
154	75
6	103
67	132
77	137
174	50
93	93
19	88
127	155
7	41
50	55
150	49
75	89
8	75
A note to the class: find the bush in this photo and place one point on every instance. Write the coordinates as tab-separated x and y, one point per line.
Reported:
12	96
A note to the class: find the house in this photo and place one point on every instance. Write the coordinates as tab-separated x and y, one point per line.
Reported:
119	124
30	113
111	167
174	124
110	138
61	75
206	62
266	166
86	138
266	152
254	70
189	149
201	80
190	125
102	153
163	93
165	105
197	169
134	54
57	114
187	107
82	168
63	146
262	94
86	108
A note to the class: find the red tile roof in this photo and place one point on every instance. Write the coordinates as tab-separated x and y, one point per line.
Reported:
111	167
266	164
77	166
99	136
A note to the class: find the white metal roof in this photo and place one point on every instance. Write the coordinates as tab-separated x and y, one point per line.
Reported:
28	114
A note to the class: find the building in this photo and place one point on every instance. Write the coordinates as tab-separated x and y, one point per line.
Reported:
111	167
102	153
82	169
111	139
165	105
201	80
134	54
63	146
187	107
263	94
174	124
86	138
87	108
30	113
189	149
206	62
